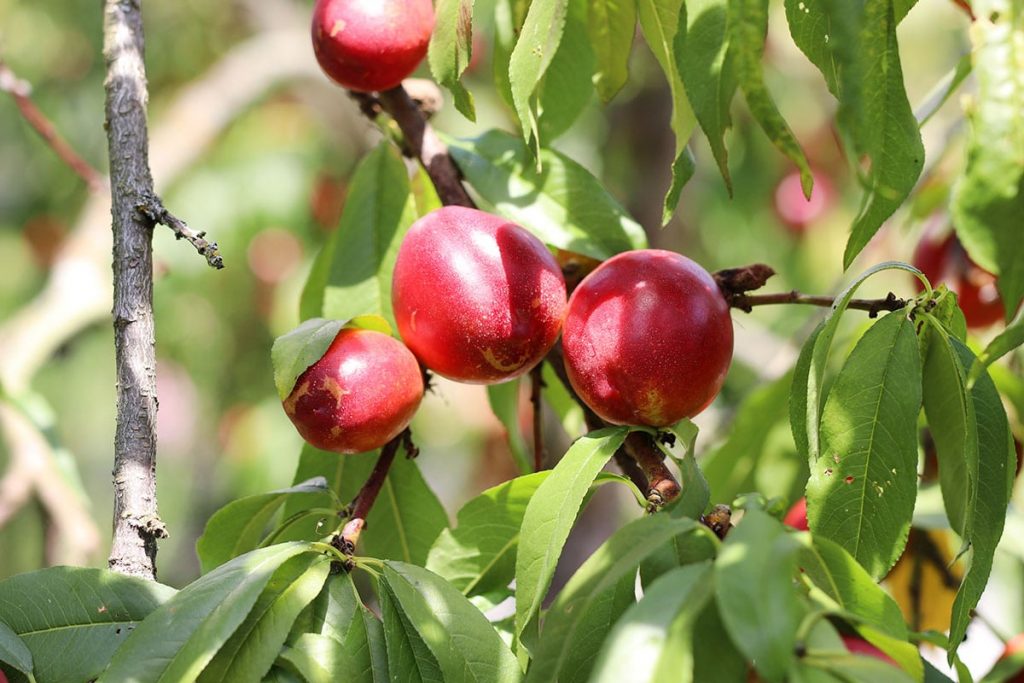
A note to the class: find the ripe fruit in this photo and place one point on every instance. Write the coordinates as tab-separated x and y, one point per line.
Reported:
942	258
862	647
648	338
369	45
797	515
797	212
478	299
361	394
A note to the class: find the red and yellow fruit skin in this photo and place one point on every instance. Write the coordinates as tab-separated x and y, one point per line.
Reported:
648	339
796	517
942	258
478	299
361	394
371	45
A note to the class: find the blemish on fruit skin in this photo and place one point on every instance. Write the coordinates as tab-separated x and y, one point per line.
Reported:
293	399
337	27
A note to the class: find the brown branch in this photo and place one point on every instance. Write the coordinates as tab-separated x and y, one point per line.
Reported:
966	7
746	302
536	384
662	487
361	505
20	91
137	525
422	143
155	211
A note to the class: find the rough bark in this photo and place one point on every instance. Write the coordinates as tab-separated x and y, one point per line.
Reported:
137	526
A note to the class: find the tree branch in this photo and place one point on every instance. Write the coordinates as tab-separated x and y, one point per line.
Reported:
367	496
421	141
155	211
536	384
137	525
20	91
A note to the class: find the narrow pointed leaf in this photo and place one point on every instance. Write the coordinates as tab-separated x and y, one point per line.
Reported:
550	516
181	636
451	49
536	47
708	72
756	595
660	21
238	526
653	641
294	352
504	400
988	201
748	28
84	614
13	650
409	658
563	204
352	273
580	619
862	489
251	650
610	27
567	87
465	645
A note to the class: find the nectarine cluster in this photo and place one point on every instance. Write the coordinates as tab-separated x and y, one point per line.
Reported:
478	299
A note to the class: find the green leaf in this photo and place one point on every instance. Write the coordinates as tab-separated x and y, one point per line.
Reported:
826	31
756	594
953	426
809	375
451	49
333	612
995	474
610	27
599	592
478	555
885	128
654	639
181	636
82	614
862	489
293	353
550	516
989	199
564	205
717	658
13	650
465	645
322	659
538	42
252	648
748	28
238	526
409	659
407	516
504	400
1006	341
352	273
708	71
730	468
567	86
660	20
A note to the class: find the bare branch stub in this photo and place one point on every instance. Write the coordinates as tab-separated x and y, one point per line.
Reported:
21	92
155	211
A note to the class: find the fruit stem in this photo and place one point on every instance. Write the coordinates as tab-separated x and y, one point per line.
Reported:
662	487
536	384
422	143
367	496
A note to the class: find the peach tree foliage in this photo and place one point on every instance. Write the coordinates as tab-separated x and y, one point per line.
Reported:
277	601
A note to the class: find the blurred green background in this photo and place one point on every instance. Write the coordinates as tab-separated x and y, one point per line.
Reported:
269	185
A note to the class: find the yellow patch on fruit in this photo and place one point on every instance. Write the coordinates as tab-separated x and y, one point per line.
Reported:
293	398
332	387
650	406
497	363
337	27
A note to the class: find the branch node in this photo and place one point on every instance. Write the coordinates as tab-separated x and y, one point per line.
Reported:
153	208
719	520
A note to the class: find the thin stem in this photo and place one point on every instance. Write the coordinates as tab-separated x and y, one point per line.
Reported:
746	302
662	486
367	496
536	384
20	91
